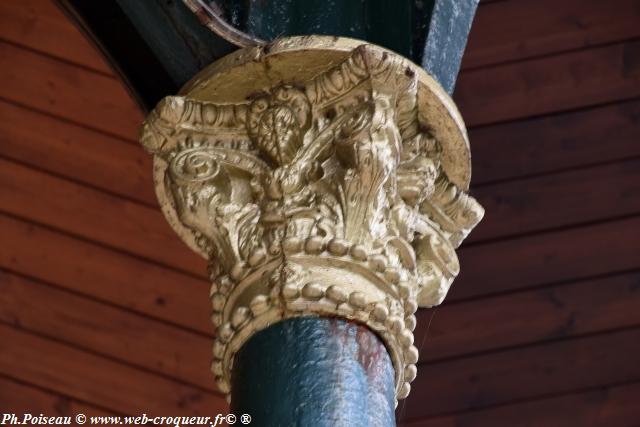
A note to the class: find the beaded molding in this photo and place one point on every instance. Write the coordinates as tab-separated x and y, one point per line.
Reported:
331	183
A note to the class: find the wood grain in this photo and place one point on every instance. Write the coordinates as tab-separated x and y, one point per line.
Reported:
542	27
524	373
555	143
518	318
20	399
547	258
608	406
75	152
101	306
105	218
513	208
550	84
87	377
39	25
494	94
105	274
107	330
558	200
68	91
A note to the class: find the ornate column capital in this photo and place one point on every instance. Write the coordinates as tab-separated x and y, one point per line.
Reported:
320	176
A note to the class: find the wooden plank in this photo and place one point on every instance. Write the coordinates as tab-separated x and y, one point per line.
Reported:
525	147
71	92
513	207
547	257
517	207
106	330
158	292
537	315
542	27
548	144
506	203
615	406
105	274
549	85
524	373
20	399
91	213
94	379
76	152
456	329
489	95
558	200
39	25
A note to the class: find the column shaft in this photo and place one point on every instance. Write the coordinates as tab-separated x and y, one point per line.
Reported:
311	371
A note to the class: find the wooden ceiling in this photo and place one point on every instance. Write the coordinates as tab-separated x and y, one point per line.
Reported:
104	311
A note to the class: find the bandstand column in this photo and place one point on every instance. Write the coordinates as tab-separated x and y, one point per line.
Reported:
325	179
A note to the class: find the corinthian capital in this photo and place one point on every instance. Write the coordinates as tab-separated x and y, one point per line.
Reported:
319	176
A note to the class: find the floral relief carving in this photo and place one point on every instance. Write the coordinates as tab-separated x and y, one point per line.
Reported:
324	196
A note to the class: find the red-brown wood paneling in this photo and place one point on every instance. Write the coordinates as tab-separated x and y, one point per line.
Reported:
103	310
515	30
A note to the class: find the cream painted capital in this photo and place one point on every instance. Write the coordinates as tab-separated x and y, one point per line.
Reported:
319	176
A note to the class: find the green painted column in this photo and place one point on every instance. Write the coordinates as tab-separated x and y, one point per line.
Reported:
310	371
307	371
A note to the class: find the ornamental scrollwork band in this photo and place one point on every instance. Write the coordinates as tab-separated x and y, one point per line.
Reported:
339	195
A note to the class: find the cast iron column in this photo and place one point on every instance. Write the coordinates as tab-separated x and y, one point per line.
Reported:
333	373
325	179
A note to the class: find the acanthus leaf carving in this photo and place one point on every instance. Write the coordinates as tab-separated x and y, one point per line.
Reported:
326	196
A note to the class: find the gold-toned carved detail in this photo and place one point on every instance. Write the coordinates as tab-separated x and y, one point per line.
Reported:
320	177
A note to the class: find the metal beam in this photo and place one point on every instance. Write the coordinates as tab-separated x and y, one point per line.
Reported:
157	46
